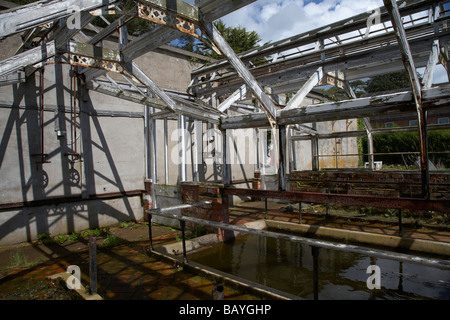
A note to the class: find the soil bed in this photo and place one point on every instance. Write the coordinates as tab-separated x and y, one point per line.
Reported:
46	289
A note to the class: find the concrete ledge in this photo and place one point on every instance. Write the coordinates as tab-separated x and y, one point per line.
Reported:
191	245
418	245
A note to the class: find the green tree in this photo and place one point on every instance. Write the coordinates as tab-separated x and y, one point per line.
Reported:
239	39
386	82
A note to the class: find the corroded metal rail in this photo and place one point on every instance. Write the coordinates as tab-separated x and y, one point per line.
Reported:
314	243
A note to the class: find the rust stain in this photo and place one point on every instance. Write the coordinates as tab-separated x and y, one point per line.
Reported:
167	18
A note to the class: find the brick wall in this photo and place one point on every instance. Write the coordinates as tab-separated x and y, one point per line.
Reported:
217	211
389	184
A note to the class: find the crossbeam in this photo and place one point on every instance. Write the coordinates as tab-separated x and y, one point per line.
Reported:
249	79
42	12
356	108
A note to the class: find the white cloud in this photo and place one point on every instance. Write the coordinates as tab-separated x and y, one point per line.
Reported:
279	19
275	20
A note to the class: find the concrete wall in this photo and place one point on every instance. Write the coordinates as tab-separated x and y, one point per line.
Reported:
100	188
334	153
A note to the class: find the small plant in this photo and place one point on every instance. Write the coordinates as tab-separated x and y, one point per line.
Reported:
112	240
98	232
74	236
179	267
390	213
61	238
45	238
18	259
128	224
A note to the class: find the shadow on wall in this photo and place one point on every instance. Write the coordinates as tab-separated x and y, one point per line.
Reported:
69	172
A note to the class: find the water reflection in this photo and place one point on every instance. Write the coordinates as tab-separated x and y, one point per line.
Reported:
288	266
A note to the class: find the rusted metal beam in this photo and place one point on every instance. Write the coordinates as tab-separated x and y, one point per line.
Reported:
410	67
345	200
177	15
87	55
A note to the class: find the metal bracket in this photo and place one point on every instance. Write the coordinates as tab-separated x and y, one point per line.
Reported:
167	18
83	61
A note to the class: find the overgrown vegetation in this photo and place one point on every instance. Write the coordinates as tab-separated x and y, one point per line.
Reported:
407	142
104	232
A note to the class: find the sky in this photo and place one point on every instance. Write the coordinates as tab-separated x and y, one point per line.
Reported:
279	19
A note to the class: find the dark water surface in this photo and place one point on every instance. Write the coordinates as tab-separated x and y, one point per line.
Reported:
288	266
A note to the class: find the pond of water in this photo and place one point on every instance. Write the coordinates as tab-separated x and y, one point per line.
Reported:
288	266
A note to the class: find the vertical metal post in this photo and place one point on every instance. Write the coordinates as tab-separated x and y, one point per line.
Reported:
150	235
182	146
218	293
400	227
166	153
226	165
41	102
300	213
93	263
327	214
282	159
183	233
265	205
315	254
153	167
408	61
146	144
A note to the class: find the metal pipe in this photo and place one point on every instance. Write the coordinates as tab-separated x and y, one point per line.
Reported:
265	206
42	111
154	175
300	213
182	146
440	205
183	234
74	141
166	153
315	254
93	264
438	263
150	234
146	142
400	227
179	207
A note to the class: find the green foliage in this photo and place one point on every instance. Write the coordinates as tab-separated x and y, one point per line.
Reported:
381	83
45	238
112	240
438	140
128	224
386	82
74	236
61	238
239	39
98	232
